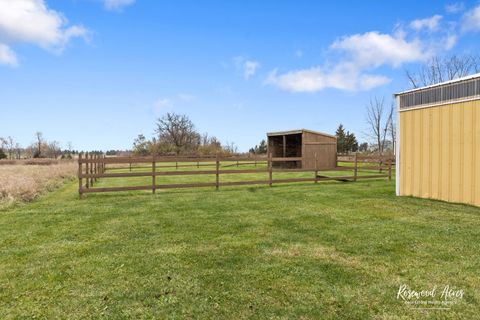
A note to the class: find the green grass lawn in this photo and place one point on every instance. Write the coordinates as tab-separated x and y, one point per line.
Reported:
330	250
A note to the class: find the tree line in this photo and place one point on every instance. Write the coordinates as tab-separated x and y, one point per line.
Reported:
176	134
40	148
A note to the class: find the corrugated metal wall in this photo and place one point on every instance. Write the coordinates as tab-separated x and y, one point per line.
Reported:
440	152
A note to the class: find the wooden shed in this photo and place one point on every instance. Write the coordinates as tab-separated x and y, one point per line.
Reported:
305	144
438	152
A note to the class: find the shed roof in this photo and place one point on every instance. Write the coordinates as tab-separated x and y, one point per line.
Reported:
298	131
473	76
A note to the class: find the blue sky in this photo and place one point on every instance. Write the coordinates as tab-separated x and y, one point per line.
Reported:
98	72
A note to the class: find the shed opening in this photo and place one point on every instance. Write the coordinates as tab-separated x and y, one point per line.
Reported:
286	146
313	150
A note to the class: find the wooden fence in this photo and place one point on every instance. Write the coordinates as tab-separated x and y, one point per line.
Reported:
91	167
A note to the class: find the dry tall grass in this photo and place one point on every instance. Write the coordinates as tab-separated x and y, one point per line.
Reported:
21	182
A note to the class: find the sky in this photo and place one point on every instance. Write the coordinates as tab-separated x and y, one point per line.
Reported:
97	73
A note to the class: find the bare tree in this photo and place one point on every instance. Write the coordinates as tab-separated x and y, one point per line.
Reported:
179	131
392	127
439	69
18	151
10	146
54	149
39	143
378	122
230	147
3	144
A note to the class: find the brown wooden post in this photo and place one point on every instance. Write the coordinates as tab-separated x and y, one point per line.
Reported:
198	164
355	169
255	162
95	168
237	163
154	174
389	169
91	170
380	163
176	165
316	169
270	173
80	182
130	163
87	165
217	178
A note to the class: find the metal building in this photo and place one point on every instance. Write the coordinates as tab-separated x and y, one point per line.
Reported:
438	152
314	150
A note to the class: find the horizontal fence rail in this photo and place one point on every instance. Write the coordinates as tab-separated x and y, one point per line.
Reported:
92	167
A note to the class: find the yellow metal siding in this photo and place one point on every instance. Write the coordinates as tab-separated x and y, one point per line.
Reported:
440	152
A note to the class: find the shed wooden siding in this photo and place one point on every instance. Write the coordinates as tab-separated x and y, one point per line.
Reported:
440	152
324	146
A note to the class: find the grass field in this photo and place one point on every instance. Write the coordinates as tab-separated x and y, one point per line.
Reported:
327	251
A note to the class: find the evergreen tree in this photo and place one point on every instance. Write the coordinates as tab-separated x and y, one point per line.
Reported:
260	148
341	139
363	147
351	143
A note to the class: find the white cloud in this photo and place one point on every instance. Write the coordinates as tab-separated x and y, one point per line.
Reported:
430	24
359	55
250	68
455	7
31	21
247	67
373	49
342	77
299	53
450	41
161	105
117	4
7	56
186	97
471	20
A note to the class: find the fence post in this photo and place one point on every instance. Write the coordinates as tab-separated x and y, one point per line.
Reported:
390	169
95	168
355	169
217	178
270	169
91	170
237	163
105	164
316	169
130	162
255	162
87	165
198	164
80	182
154	174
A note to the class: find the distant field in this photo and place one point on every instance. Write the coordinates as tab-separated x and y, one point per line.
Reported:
294	251
25	180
